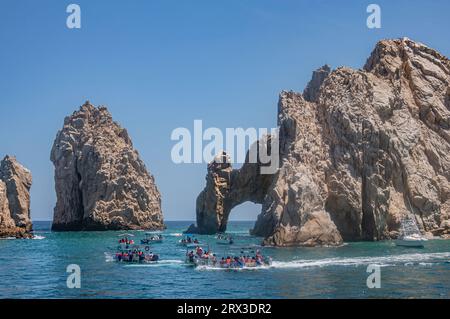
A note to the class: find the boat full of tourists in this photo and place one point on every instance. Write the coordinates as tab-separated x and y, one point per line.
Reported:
200	257
152	238
127	251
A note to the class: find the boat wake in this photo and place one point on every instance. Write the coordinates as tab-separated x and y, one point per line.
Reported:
426	260
109	257
392	260
37	237
175	234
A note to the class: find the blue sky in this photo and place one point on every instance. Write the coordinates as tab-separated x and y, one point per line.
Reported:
159	65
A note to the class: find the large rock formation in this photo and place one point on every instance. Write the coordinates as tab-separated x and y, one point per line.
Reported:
15	184
360	150
101	183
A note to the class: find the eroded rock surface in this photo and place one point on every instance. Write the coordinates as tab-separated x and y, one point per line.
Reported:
15	184
101	183
360	149
225	189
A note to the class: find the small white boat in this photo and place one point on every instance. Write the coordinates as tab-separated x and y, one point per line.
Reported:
410	235
411	241
151	238
129	252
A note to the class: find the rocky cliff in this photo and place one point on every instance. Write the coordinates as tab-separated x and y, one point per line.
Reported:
101	183
15	184
360	150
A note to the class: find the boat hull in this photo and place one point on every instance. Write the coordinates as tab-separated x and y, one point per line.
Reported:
148	242
418	243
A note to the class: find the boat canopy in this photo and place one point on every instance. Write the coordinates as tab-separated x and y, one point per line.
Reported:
125	235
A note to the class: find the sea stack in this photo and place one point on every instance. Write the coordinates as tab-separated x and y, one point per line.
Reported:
360	150
15	184
101	183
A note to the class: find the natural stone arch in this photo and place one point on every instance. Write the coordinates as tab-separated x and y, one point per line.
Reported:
227	188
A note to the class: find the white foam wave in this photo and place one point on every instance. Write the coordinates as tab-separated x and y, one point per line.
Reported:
175	234
425	264
109	257
38	237
170	261
357	261
382	261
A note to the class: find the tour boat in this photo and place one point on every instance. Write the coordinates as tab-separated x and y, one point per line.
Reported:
135	256
210	260
127	251
151	238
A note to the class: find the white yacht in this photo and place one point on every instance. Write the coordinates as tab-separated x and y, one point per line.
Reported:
410	235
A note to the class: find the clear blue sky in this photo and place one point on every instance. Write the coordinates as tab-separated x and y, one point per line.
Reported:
159	65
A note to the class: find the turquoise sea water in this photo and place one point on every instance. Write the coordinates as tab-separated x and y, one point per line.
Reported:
36	268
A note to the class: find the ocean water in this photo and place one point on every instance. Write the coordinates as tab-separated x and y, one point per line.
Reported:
36	268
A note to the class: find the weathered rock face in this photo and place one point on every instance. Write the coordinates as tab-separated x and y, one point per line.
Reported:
225	189
311	93
362	151
15	184
101	183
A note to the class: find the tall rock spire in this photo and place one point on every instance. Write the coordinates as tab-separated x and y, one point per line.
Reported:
101	182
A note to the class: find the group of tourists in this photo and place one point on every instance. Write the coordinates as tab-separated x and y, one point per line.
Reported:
200	257
126	240
242	261
189	240
135	255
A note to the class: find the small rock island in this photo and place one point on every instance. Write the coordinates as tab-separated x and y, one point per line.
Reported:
15	184
101	183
